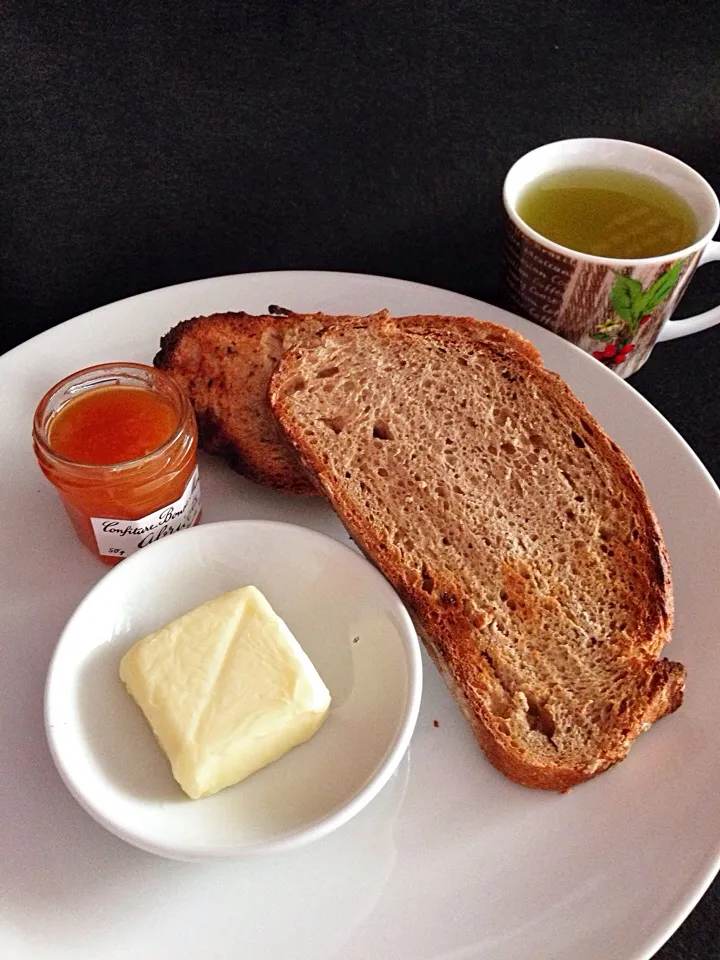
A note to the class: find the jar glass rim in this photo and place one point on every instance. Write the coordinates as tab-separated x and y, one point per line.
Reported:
110	370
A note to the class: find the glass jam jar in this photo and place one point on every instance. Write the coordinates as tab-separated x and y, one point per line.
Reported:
119	443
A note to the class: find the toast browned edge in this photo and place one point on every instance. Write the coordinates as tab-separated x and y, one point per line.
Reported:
504	337
447	633
213	434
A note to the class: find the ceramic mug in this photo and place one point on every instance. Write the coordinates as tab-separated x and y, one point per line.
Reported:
615	309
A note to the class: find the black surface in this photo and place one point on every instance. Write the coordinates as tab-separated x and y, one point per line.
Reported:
145	144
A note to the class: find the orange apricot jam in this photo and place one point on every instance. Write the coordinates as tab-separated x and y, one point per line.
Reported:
119	443
112	425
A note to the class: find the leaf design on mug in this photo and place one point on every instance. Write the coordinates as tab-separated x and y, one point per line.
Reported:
653	297
625	296
633	306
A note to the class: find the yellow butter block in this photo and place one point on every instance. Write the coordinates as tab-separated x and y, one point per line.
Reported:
227	689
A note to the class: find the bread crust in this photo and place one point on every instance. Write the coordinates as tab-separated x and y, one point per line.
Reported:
448	634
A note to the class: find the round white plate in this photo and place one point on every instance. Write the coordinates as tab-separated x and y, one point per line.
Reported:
347	618
451	861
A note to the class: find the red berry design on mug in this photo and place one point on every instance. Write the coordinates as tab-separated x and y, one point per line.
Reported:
606	354
623	352
633	308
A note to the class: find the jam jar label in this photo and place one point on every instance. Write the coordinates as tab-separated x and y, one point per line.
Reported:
120	538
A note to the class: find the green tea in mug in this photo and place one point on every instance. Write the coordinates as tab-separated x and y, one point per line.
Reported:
608	213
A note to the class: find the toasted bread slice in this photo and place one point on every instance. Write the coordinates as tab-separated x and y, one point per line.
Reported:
224	363
516	531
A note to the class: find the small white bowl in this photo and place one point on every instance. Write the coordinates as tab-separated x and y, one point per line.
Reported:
347	618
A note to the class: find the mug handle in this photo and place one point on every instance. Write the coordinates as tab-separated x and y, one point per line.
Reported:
681	328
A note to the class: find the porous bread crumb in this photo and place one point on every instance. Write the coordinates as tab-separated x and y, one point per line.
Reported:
224	363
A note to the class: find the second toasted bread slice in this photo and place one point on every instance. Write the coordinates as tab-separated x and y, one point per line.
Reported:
517	532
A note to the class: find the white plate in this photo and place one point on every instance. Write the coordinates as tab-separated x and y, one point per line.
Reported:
451	860
348	620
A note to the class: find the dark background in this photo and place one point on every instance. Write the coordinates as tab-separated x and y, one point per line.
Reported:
144	144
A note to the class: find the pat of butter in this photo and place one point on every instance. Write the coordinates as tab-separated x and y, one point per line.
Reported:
227	689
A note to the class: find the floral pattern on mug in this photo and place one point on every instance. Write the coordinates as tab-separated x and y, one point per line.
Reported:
615	310
633	307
